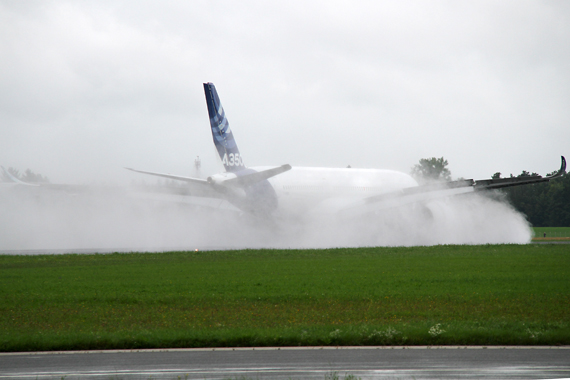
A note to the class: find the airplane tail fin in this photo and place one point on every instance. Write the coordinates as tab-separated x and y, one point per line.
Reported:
221	132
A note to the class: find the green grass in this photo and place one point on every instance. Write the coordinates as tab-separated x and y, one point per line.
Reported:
494	294
551	232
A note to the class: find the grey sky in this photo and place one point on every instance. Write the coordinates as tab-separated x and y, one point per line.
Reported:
88	87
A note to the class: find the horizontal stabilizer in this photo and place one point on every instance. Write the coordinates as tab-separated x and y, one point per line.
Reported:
170	176
253	178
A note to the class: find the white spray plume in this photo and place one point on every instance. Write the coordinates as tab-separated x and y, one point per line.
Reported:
111	219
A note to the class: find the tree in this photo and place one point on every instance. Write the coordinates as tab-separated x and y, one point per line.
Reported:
544	204
28	176
31	177
431	169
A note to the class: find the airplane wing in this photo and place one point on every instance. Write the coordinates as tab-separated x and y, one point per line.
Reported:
498	183
430	192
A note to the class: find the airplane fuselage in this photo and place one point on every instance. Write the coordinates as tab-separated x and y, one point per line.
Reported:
302	188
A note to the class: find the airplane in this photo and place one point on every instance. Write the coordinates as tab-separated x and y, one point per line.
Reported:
348	192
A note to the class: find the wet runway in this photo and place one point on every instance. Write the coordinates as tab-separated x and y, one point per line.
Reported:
295	363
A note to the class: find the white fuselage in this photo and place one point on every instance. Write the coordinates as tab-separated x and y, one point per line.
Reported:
303	188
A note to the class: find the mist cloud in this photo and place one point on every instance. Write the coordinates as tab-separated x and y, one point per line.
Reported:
114	219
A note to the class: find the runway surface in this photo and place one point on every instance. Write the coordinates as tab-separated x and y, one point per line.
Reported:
294	363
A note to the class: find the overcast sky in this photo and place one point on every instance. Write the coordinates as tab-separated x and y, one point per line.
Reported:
89	87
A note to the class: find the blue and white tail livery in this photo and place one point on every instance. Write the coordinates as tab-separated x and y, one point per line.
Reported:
221	132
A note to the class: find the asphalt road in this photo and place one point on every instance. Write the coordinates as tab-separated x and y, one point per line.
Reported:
294	363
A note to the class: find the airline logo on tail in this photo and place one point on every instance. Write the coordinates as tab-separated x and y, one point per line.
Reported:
221	132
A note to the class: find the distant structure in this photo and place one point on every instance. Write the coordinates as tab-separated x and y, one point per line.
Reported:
197	165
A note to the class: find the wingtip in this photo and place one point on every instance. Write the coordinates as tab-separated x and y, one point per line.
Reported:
560	171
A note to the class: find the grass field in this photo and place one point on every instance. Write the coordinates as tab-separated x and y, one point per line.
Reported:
494	294
551	233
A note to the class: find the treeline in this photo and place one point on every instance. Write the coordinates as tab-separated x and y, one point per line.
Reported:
545	204
27	176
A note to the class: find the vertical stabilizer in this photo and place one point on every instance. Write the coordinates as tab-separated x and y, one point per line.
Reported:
221	132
